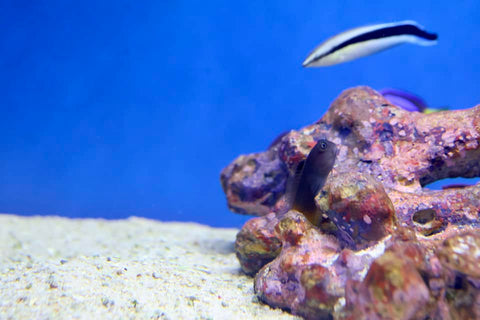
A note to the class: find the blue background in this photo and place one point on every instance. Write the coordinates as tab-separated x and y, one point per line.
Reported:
119	108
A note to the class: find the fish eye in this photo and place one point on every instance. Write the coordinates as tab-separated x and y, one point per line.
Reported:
323	145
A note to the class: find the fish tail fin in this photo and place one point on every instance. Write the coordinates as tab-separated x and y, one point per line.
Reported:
421	41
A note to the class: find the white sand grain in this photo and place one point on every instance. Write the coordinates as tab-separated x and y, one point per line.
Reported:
59	268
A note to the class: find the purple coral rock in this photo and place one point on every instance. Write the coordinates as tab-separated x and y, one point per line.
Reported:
299	278
392	289
386	246
359	207
256	243
462	254
254	183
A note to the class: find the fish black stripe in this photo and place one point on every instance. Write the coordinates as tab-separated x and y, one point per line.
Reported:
405	29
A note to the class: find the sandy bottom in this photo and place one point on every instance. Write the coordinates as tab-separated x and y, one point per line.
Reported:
58	268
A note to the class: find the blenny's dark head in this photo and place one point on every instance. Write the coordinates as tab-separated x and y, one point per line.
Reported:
322	157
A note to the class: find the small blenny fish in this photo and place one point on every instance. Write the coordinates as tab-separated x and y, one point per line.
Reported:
367	40
309	178
407	100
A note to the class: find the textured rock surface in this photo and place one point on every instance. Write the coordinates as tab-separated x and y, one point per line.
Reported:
404	150
383	239
309	275
358	207
256	243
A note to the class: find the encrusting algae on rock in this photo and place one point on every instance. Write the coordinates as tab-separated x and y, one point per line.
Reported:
359	207
385	246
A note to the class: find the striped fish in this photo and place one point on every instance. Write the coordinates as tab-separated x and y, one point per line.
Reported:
363	41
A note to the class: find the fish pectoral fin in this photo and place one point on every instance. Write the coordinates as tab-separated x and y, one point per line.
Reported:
316	186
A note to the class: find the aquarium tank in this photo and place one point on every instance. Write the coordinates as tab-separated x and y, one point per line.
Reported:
113	109
240	160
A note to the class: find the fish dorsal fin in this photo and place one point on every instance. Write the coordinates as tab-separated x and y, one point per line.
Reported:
293	182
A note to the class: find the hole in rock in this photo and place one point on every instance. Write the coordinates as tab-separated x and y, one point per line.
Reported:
431	232
452	183
424	216
344	131
460	282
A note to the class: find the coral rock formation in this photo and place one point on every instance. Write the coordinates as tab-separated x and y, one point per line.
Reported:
384	247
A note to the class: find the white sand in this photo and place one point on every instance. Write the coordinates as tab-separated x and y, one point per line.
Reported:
57	268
